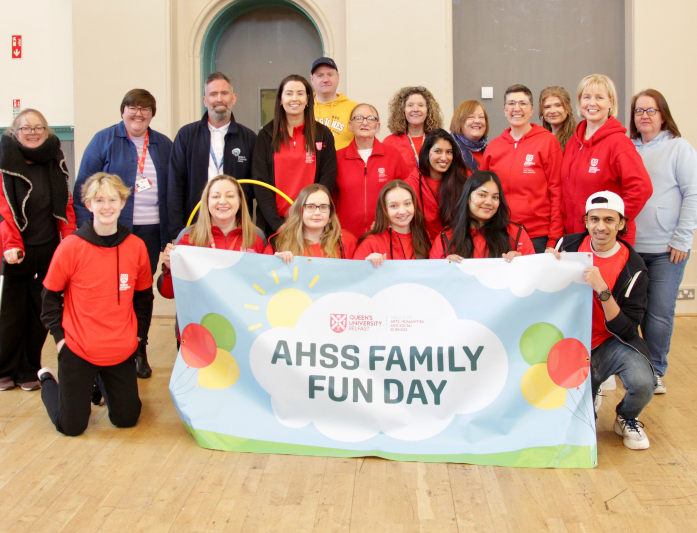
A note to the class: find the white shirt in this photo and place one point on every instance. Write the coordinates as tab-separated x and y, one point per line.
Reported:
365	154
218	145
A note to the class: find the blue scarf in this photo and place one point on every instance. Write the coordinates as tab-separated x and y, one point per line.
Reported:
467	147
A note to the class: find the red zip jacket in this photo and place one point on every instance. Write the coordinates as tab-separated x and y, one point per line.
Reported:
530	174
403	146
233	242
346	246
608	161
358	184
520	242
389	242
427	201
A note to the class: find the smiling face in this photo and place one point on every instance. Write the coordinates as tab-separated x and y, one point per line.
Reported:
317	220
294	98
364	129
325	81
595	104
553	111
484	201
136	122
648	126
106	207
603	226
416	109
400	209
518	109
475	125
440	157
223	202
219	99
32	139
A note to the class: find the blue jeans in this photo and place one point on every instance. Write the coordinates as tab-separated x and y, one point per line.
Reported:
657	327
615	358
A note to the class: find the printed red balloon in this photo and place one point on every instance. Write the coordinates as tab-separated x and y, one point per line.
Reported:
198	346
568	363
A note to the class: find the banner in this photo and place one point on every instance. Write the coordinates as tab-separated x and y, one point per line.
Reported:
483	362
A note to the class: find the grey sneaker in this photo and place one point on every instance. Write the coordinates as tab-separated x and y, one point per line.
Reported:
30	385
631	430
7	383
660	386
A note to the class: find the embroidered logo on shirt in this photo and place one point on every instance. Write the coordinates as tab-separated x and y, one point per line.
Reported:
309	157
529	163
236	152
240	158
319	145
594	166
124	286
381	174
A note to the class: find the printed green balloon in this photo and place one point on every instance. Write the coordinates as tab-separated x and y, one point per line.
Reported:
537	341
222	330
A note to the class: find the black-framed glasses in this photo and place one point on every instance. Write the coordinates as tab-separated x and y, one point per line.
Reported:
26	130
523	104
145	111
323	208
650	112
359	119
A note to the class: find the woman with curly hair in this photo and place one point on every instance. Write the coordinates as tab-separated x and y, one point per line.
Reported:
413	113
312	229
556	113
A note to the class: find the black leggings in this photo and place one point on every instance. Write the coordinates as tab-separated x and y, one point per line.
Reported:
68	401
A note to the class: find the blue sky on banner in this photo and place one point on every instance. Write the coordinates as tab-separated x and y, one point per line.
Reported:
416	303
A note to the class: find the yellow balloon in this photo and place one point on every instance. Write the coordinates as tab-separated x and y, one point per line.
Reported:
221	373
539	389
285	307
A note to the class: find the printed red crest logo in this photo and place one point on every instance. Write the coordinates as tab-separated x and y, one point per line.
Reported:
319	145
594	162
337	323
124	278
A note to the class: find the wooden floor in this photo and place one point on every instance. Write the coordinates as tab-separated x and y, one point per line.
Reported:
155	478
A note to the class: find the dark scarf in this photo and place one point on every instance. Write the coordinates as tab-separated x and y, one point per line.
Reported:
467	147
17	186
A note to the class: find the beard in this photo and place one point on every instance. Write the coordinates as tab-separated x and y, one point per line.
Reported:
218	114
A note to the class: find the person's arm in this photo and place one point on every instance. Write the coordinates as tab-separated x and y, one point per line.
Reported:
685	169
66	228
327	163
525	245
52	313
142	306
629	316
552	168
12	242
93	161
262	171
177	176
636	183
595	280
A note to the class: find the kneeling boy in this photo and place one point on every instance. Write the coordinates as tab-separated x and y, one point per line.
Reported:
620	281
97	302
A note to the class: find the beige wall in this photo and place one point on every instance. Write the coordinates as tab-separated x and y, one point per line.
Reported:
664	41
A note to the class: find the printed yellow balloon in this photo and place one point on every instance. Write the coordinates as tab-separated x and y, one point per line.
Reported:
221	373
539	389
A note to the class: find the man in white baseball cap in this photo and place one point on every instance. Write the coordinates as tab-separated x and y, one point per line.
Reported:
620	281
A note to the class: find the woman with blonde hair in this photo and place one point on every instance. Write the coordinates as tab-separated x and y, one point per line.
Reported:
470	129
556	113
312	229
601	158
414	112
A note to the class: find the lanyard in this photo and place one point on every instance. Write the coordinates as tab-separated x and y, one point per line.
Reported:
215	159
404	253
141	158
227	247
421	194
416	156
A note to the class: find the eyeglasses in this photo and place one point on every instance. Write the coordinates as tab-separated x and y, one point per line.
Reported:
523	104
359	119
145	111
26	130
311	208
650	112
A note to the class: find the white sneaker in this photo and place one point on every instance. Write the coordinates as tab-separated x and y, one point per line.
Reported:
660	387
609	384
46	373
631	430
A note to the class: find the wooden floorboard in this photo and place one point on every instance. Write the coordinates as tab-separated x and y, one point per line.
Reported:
154	478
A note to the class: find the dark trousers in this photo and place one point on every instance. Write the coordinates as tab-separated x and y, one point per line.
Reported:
150	235
540	244
68	402
22	335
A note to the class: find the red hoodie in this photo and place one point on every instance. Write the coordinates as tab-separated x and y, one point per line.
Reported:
607	161
346	246
529	170
404	147
358	184
391	243
428	198
520	242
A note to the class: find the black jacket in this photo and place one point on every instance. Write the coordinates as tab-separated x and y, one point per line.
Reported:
188	167
263	170
630	293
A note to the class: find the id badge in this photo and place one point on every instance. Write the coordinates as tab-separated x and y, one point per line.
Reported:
143	184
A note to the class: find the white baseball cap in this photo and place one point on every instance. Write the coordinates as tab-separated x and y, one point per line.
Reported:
605	200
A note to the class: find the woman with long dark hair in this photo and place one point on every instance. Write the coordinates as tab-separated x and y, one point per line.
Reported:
399	231
439	180
482	228
292	151
312	229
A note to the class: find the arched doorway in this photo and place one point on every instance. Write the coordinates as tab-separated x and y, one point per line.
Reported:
256	45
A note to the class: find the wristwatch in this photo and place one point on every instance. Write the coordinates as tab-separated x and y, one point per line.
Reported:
604	296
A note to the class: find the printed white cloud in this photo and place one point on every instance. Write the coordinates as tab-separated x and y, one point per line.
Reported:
428	320
525	274
200	261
